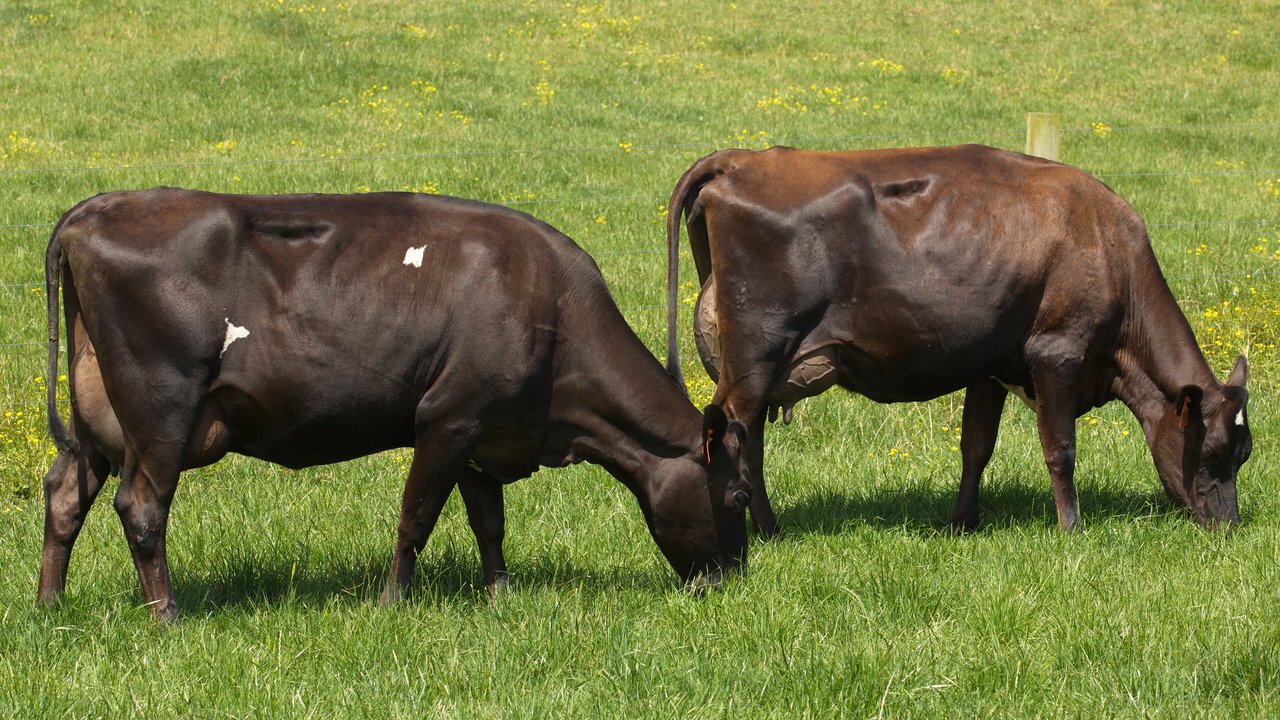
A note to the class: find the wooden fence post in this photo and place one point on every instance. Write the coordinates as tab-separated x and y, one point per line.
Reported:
1044	134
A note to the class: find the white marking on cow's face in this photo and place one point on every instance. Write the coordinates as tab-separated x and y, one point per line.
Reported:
234	333
413	256
1240	418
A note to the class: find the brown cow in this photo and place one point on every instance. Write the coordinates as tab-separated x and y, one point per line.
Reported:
907	274
312	329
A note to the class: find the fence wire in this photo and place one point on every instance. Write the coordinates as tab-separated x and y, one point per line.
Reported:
5	348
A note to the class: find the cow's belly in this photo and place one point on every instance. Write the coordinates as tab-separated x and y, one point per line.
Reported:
809	373
886	371
300	425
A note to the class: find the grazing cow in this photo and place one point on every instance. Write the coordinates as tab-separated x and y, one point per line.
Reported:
313	329
907	274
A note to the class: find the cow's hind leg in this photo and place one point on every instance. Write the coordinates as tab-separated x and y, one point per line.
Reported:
483	498
70	487
73	482
147	485
983	404
439	458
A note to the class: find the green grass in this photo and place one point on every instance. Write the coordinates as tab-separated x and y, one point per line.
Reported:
867	606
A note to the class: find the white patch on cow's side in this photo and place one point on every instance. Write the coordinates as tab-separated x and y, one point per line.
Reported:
413	256
234	333
1240	418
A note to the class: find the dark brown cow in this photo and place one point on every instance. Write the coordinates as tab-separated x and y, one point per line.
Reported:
313	329
907	274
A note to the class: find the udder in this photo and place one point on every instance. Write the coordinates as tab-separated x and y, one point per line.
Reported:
808	373
96	418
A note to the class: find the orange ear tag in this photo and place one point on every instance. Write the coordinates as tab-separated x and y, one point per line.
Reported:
1186	408
706	447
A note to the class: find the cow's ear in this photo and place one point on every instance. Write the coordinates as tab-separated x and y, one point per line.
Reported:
1186	406
714	425
1240	374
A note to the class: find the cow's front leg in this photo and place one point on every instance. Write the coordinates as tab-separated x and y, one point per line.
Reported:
762	515
439	458
983	405
70	487
482	496
740	392
1056	421
146	491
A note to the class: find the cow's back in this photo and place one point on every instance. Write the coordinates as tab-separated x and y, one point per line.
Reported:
313	317
926	267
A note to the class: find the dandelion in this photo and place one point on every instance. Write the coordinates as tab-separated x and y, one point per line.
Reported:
746	137
692	295
455	115
16	145
1264	248
426	187
700	387
954	75
1101	129
415	30
885	66
1057	75
832	95
544	92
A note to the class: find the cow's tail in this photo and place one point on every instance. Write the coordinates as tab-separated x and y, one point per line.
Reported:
54	262
686	191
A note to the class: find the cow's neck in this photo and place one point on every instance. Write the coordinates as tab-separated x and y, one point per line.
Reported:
1158	352
625	413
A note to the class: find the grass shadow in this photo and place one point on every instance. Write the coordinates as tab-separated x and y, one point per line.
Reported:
451	576
927	508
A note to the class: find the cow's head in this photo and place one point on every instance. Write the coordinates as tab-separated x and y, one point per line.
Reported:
1201	442
697	513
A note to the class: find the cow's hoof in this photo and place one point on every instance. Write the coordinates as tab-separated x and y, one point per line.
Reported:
500	586
166	613
766	529
391	595
705	583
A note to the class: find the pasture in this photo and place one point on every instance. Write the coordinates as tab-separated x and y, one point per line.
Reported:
585	114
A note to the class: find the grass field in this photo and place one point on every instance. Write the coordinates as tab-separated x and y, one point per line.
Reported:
585	114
